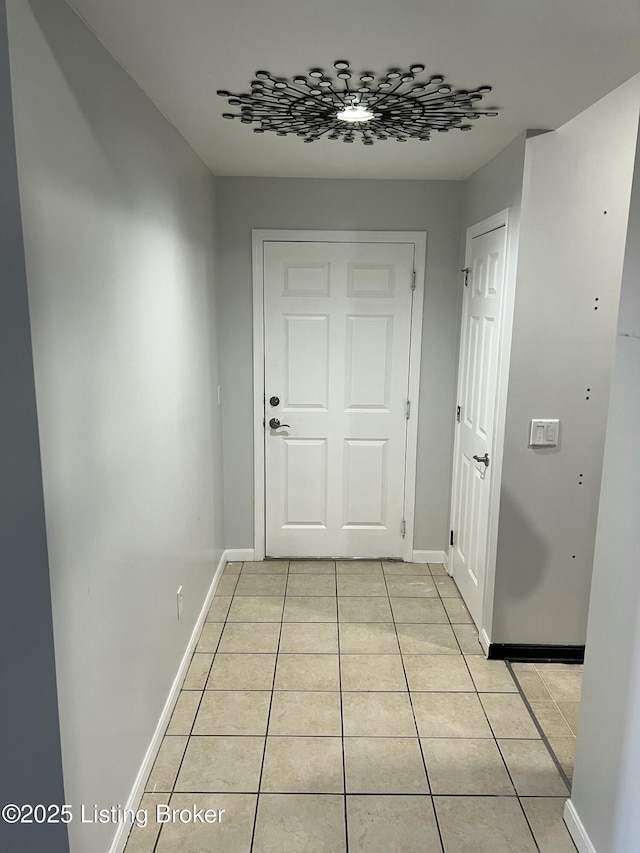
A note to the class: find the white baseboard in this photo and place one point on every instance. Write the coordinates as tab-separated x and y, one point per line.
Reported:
576	829
240	555
428	556
445	561
133	802
485	642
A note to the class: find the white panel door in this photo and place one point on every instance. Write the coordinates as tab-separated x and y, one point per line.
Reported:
477	388
337	323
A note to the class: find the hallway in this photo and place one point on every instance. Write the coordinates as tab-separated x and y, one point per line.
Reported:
348	706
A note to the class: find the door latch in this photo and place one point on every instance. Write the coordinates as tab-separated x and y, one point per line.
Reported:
274	423
484	459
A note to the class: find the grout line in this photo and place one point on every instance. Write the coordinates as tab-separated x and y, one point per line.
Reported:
266	731
543	736
344	758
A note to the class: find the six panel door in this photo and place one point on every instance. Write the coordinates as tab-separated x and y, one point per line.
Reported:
337	322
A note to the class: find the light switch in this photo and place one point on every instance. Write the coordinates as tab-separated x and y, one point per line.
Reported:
544	433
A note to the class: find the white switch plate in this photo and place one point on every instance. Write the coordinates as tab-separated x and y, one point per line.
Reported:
544	433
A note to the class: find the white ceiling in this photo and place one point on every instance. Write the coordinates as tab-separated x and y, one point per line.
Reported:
547	60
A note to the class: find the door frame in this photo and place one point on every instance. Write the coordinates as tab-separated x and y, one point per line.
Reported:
497	220
261	236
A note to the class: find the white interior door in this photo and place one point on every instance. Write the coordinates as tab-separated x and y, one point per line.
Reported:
337	334
477	390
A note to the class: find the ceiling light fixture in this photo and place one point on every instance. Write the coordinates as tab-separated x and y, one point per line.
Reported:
397	105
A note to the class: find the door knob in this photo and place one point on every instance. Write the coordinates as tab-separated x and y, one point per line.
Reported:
274	401
484	459
274	423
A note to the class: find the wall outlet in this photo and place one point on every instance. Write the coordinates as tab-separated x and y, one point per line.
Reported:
179	598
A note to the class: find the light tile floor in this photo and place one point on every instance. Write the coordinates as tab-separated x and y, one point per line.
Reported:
346	706
553	692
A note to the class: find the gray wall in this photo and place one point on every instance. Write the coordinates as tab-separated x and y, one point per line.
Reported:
31	761
431	206
118	223
571	246
496	186
607	770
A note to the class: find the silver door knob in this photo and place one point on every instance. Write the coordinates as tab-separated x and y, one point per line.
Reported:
274	423
484	459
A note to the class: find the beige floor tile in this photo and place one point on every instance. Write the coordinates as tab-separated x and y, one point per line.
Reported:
377	715
307	672
142	839
303	765
219	608
313	567
256	608
508	715
307	584
231	833
437	569
305	713
184	712
465	766
457	611
209	637
532	769
198	671
242	672
545	818
446	587
564	749
412	586
571	713
399	824
550	719
490	676
250	637
372	672
166	765
379	765
559	667
310	609
305	638
361	585
483	825
428	610
227	585
298	823
417	639
532	685
564	686
269	567
372	568
262	584
450	715
362	609
467	637
392	569
233	568
375	638
217	764
233	712
437	672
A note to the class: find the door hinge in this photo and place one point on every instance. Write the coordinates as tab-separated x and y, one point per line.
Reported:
403	528
466	272
458	413
451	537
413	280
408	409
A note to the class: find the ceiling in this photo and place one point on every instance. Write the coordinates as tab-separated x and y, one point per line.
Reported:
547	60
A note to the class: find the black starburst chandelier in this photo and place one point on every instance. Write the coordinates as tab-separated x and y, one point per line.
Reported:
398	105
